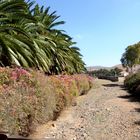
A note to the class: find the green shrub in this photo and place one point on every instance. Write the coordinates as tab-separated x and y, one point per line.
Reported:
132	82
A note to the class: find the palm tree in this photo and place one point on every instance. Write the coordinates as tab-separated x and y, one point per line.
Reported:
54	41
14	40
28	38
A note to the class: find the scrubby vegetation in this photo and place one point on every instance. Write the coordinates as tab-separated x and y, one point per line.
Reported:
132	82
29	98
106	74
130	59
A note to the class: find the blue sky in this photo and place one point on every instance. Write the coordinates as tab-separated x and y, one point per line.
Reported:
101	28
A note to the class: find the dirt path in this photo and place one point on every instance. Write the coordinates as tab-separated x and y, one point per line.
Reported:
105	113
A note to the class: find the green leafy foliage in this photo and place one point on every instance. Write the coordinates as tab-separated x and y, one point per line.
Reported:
131	56
132	82
29	38
107	74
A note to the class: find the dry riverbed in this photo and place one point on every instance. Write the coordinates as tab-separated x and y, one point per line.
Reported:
105	113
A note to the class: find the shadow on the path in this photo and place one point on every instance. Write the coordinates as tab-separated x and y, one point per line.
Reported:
131	97
137	109
113	85
137	122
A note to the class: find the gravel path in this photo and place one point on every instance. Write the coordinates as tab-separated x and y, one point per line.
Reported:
105	113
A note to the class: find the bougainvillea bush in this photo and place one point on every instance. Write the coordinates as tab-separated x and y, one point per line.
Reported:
29	98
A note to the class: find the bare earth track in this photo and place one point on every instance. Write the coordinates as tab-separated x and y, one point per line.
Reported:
105	113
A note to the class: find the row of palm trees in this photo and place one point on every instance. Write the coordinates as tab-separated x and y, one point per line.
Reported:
29	38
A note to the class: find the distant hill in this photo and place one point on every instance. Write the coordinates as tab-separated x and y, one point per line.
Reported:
92	68
118	66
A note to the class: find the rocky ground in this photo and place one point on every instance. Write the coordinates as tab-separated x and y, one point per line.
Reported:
107	112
